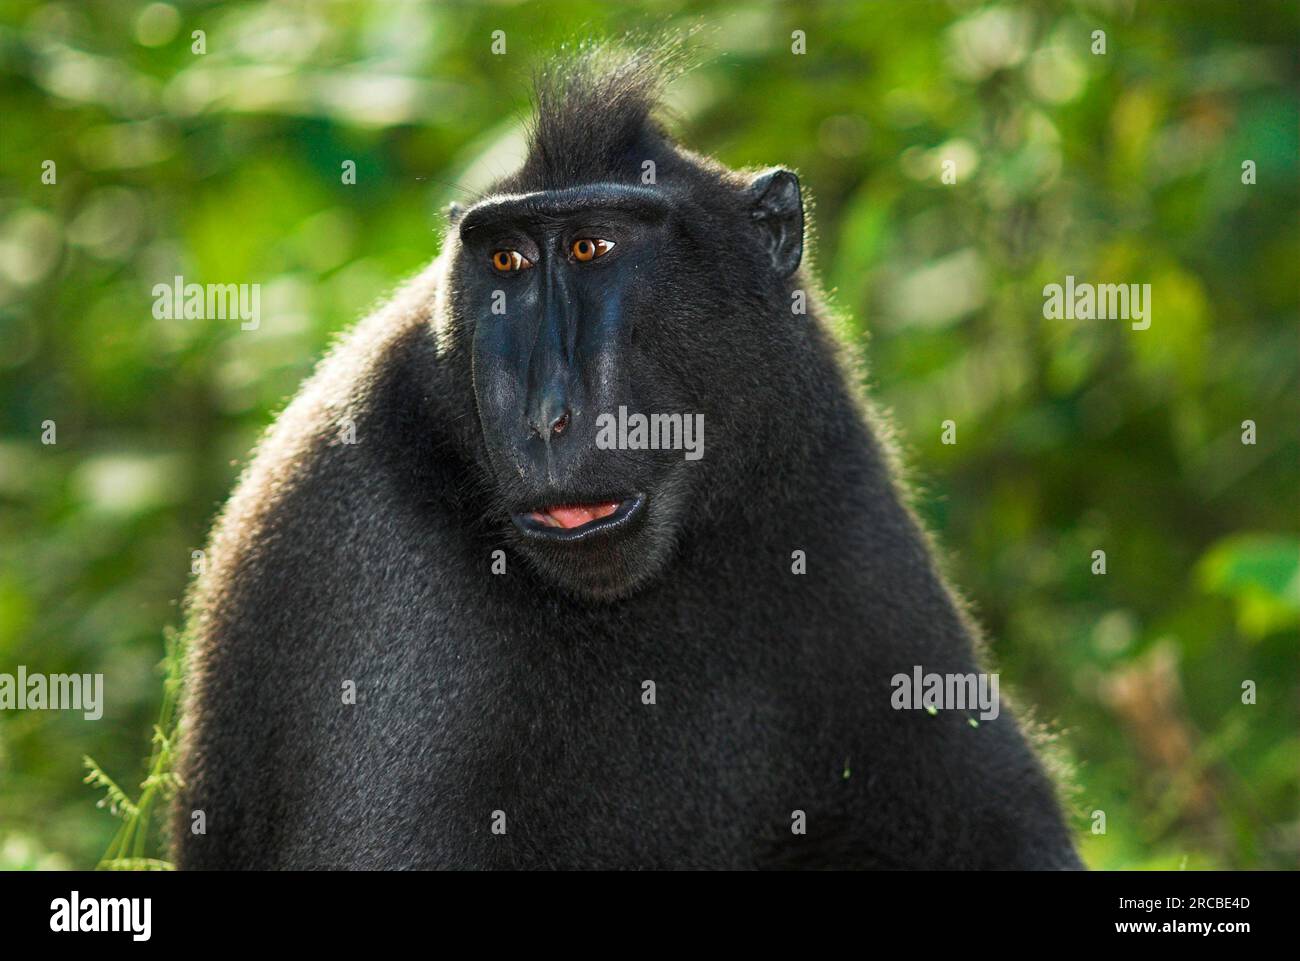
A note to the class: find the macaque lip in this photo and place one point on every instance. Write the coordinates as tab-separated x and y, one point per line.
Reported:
576	523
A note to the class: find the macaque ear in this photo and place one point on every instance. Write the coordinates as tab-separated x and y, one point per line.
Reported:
454	212
777	209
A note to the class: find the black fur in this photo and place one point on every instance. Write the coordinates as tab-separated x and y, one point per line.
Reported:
521	692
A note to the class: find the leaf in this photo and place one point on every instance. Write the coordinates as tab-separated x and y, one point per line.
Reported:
118	803
1261	574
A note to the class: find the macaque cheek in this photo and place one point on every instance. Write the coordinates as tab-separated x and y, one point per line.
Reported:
499	397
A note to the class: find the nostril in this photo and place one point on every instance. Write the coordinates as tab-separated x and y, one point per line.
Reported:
560	424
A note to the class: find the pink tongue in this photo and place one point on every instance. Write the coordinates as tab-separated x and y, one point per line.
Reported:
575	515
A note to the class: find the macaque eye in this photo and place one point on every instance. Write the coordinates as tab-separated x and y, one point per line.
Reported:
509	260
589	248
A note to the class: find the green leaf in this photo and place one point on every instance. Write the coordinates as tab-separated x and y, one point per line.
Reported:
1261	574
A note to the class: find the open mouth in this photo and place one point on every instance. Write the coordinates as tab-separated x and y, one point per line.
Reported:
568	523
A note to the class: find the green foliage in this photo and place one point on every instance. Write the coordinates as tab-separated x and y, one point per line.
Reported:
1073	436
126	852
1262	574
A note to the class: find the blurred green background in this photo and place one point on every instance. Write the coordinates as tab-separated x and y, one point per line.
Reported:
1073	436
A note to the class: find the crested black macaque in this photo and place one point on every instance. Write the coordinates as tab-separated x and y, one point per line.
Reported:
444	626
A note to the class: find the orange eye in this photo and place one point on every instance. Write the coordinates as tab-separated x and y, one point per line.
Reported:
509	260
587	249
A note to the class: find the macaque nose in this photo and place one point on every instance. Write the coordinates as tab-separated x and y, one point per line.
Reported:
550	418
